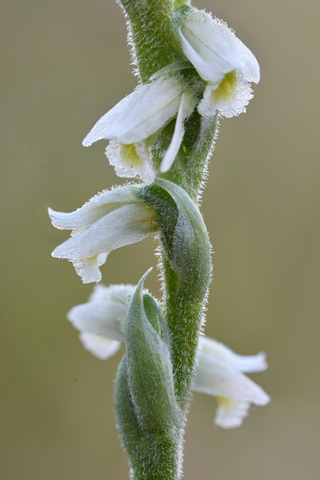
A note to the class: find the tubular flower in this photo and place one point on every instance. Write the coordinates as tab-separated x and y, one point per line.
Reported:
219	373
102	323
109	220
131	124
222	60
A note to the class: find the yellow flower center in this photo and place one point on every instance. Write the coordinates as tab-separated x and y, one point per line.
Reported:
227	87
130	156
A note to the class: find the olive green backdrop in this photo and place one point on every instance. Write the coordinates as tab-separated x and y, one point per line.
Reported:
65	63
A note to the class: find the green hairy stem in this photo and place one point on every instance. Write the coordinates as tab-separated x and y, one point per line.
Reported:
151	34
154	379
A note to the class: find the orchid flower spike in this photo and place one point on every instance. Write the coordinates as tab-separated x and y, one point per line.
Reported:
131	124
222	60
109	220
219	373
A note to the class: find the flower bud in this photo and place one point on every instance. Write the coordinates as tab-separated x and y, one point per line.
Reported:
149	365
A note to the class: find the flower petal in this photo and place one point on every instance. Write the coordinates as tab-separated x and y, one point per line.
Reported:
211	72
251	69
144	112
88	268
210	46
185	109
217	378
248	363
113	293
230	413
126	225
102	127
123	226
94	209
100	347
103	318
229	107
131	160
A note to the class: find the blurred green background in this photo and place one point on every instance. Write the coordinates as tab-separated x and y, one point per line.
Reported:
64	64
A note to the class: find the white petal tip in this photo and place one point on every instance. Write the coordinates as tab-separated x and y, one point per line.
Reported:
164	168
60	252
56	254
86	142
261	363
88	268
230	414
100	347
95	279
52	214
263	399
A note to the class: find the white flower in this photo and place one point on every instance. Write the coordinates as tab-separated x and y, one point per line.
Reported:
132	123
101	320
222	60
109	220
219	373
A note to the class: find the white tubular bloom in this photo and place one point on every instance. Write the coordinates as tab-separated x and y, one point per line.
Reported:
219	373
131	124
101	321
222	60
110	220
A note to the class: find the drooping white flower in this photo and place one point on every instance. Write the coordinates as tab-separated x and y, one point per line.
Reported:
101	320
132	123
219	373
109	220
222	60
